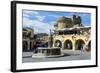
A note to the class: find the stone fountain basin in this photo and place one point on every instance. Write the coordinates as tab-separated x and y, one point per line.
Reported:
47	52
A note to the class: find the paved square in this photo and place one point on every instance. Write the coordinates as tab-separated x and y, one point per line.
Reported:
68	56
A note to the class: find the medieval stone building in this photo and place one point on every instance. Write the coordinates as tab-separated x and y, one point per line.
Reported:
70	34
28	39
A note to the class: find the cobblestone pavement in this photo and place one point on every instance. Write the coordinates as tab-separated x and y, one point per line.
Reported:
69	55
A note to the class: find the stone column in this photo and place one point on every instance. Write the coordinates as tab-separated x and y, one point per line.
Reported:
53	43
62	45
74	41
73	45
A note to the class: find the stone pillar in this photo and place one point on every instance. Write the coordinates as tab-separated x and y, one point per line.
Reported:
74	41
53	43
62	43
73	45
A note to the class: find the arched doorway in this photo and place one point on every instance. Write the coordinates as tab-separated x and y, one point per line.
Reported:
58	43
68	45
79	45
89	46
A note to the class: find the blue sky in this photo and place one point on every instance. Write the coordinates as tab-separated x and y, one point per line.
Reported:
42	21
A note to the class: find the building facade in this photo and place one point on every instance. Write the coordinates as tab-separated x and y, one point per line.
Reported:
28	39
42	40
70	34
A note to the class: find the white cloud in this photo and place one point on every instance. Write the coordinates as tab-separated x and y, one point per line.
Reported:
69	16
54	15
30	12
40	18
38	23
38	26
36	14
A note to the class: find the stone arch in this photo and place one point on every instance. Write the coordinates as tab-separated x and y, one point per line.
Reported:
58	43
68	44
79	45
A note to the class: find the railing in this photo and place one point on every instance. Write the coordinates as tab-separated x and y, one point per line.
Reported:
81	35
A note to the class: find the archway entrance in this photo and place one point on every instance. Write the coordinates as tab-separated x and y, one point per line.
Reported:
58	43
68	45
89	46
79	45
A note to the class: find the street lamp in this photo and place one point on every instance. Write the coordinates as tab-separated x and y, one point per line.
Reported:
50	39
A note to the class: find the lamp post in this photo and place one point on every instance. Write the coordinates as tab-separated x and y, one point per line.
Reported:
50	40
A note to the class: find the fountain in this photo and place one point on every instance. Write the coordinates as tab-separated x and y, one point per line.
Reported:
48	51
